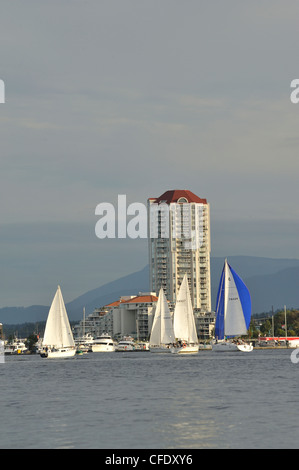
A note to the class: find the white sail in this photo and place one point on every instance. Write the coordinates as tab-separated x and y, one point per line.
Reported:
234	321
58	332
162	329
183	321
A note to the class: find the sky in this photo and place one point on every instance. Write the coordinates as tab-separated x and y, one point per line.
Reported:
136	97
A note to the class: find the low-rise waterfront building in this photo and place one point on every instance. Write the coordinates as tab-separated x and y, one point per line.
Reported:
205	324
129	316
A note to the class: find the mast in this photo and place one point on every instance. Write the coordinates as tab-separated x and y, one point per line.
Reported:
285	319
83	322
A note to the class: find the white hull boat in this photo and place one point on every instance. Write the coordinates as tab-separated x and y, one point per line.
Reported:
125	345
58	353
188	349
225	346
245	347
103	343
160	349
233	312
58	341
17	347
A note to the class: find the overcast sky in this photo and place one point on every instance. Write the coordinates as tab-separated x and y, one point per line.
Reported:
137	97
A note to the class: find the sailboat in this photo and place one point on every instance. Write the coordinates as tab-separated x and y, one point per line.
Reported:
233	312
184	323
162	334
58	339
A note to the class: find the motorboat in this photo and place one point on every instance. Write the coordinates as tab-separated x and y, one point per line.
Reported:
16	347
84	343
125	344
103	343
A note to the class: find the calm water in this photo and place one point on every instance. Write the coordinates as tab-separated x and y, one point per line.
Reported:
150	401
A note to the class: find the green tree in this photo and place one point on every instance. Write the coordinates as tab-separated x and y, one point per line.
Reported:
31	342
266	328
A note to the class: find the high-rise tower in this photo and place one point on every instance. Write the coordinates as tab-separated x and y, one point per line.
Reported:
179	242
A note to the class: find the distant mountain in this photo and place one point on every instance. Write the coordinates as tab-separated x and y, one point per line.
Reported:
277	290
128	285
270	281
131	284
16	315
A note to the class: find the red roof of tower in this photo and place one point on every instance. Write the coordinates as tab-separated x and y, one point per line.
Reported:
175	194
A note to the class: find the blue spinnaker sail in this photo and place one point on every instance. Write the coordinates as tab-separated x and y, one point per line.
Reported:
244	297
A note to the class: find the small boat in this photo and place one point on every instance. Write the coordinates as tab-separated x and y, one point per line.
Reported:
103	343
125	344
58	341
16	347
142	346
184	322
233	312
84	343
162	334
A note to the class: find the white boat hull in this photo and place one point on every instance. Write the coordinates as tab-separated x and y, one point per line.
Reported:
159	349
186	350
245	347
102	348
124	348
224	346
227	346
59	353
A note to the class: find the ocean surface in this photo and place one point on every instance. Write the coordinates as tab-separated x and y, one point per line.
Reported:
141	400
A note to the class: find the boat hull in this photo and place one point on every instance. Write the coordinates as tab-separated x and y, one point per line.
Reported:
186	350
59	353
102	348
224	346
227	346
245	347
128	348
159	349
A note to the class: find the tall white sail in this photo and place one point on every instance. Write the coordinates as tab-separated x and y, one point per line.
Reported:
162	329
183	322
58	332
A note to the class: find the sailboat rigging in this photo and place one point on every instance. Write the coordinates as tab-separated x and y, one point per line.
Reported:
184	323
162	334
